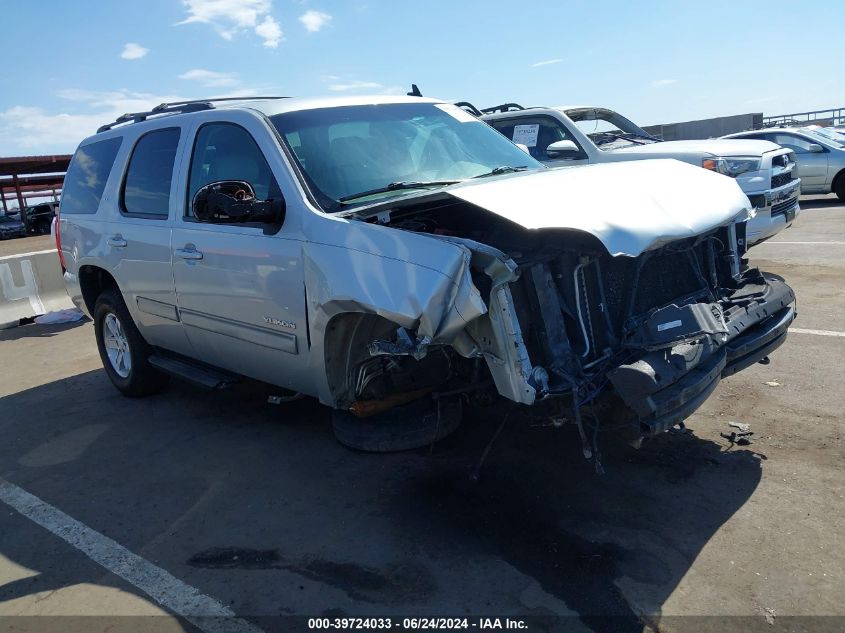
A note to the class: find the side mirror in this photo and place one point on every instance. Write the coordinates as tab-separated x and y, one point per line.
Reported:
562	149
234	201
523	147
815	148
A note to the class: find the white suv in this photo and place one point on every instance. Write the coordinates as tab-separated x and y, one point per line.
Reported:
573	135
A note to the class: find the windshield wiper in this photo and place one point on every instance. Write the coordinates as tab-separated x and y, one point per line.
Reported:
502	169
397	186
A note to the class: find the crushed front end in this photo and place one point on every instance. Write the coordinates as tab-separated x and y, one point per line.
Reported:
645	340
624	318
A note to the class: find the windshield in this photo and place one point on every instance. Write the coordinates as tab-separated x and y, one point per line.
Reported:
831	136
351	150
609	130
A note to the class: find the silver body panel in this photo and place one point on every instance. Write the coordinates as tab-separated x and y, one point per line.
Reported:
262	304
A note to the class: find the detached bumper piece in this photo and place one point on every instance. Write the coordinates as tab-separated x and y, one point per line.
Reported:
665	386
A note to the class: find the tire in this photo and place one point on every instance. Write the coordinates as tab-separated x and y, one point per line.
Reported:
409	426
127	368
840	187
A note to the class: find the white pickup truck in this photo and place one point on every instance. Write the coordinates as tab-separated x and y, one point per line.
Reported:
571	135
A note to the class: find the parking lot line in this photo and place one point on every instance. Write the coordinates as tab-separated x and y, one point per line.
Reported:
799	330
204	612
30	254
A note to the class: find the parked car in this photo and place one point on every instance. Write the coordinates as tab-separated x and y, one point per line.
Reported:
820	156
575	135
392	256
39	217
11	227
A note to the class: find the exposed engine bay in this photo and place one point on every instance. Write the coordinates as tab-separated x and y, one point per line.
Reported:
639	341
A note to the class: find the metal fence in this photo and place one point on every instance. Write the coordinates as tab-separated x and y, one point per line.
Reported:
831	116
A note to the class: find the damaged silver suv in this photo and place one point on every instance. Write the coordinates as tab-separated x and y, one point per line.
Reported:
392	256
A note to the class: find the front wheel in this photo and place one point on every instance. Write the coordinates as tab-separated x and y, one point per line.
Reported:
840	188
123	350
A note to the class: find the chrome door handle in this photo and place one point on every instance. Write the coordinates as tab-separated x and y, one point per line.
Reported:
188	253
117	241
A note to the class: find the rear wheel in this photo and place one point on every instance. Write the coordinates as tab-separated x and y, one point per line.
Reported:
123	350
412	425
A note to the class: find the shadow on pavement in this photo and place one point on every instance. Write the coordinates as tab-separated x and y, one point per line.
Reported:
258	506
824	203
34	330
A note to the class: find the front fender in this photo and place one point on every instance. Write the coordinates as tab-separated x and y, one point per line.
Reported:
438	303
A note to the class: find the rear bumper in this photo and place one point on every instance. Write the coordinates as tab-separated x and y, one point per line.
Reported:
665	387
74	291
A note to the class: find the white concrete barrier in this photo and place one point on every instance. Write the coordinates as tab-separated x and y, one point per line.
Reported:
31	284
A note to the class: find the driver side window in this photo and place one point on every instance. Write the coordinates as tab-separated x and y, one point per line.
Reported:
225	151
797	144
537	133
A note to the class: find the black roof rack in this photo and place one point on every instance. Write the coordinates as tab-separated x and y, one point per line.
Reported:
466	105
505	107
174	107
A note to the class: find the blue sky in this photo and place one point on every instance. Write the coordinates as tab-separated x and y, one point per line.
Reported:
72	65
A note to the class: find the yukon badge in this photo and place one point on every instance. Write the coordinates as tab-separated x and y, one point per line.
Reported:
288	324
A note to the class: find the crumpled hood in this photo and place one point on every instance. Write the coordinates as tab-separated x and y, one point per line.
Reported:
716	147
631	207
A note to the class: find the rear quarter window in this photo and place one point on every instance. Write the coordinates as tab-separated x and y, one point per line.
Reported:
87	176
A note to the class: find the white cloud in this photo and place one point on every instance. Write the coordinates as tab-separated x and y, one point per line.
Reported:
313	21
229	17
270	31
134	51
546	62
210	78
659	83
29	129
355	85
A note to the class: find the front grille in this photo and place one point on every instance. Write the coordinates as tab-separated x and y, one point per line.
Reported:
783	207
665	277
614	295
781	179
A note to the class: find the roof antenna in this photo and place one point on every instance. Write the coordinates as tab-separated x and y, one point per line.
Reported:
415	92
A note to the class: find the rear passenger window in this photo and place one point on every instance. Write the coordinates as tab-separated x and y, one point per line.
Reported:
87	175
146	190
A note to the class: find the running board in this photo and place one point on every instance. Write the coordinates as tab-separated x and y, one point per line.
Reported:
194	373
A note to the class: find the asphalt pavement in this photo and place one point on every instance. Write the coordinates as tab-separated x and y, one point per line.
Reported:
150	514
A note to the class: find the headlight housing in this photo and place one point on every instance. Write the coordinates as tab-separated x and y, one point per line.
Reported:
732	167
